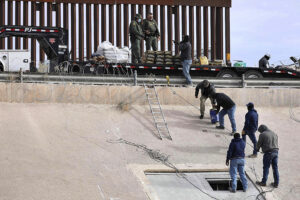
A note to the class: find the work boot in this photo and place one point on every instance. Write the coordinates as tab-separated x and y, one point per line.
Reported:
201	116
232	133
252	156
274	185
261	183
220	127
231	190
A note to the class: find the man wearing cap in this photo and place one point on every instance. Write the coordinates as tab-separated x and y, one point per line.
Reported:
151	31
268	141
207	89
136	35
264	61
236	155
250	127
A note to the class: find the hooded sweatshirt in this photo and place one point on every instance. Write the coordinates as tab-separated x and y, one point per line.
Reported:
251	120
236	149
268	140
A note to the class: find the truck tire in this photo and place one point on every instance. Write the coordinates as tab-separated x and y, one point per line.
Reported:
76	69
253	74
1	67
227	73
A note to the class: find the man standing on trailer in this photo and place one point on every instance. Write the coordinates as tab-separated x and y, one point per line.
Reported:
151	31
207	89
136	35
264	61
185	48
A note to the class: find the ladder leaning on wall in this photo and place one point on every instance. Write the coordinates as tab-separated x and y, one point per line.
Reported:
156	111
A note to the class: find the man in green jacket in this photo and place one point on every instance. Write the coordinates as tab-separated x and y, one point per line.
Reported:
151	31
136	35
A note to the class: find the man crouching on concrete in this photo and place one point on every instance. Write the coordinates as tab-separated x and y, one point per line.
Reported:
236	155
207	89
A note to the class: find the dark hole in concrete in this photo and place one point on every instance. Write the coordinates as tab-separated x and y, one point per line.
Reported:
222	185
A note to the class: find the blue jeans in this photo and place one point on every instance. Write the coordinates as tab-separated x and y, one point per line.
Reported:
271	158
252	137
238	165
186	64
230	113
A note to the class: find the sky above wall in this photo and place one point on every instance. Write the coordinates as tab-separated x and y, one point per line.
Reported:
265	26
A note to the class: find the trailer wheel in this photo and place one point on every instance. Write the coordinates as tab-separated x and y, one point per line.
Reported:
253	74
1	67
76	69
227	73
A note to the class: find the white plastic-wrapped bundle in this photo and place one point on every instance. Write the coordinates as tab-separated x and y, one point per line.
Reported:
113	54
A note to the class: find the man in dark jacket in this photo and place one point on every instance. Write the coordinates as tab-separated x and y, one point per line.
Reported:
207	89
185	48
250	127
228	108
264	61
268	141
236	155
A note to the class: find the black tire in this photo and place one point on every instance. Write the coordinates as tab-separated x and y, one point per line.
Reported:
252	74
76	69
227	73
1	67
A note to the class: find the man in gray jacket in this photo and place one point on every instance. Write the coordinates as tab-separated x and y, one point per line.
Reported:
268	141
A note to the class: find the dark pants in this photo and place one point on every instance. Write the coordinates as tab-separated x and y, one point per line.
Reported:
135	50
252	137
271	158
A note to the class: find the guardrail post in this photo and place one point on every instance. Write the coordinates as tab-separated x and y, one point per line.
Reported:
244	84
21	75
135	78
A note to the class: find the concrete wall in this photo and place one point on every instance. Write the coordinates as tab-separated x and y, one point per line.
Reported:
92	94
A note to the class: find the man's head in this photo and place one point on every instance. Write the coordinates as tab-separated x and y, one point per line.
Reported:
205	83
250	106
267	56
212	95
138	17
262	128
236	136
186	38
150	16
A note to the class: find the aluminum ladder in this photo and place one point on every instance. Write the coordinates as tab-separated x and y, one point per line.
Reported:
156	111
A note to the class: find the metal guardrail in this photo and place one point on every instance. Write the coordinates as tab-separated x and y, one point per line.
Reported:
141	80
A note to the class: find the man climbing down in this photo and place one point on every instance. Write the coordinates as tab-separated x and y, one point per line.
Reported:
207	89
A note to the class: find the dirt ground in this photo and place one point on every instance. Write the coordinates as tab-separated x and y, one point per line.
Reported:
64	151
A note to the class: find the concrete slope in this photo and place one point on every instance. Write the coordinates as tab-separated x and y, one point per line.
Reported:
61	151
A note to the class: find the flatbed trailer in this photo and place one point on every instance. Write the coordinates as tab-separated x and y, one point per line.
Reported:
196	70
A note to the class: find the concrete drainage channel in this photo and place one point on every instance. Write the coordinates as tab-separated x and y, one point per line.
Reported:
198	185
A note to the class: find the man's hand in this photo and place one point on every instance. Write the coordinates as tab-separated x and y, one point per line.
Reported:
147	32
243	132
158	38
227	162
196	96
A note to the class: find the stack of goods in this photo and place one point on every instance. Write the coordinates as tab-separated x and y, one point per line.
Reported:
150	57
176	60
216	62
168	58
98	59
160	57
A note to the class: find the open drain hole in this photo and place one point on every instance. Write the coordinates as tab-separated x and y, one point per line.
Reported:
223	184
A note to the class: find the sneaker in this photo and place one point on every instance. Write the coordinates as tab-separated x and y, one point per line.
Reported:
232	133
231	190
201	116
220	127
274	185
252	156
261	183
